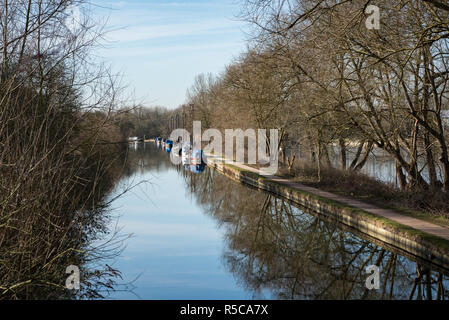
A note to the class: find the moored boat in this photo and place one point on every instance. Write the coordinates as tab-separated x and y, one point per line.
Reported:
196	157
168	145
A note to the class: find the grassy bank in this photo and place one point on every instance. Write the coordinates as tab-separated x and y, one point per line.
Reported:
428	205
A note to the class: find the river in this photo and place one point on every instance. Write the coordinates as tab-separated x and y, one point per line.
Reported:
204	236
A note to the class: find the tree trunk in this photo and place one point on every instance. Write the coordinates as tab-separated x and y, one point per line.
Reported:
368	149
357	155
401	177
319	161
430	161
325	152
342	144
414	173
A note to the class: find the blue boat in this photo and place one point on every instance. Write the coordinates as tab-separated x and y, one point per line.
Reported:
197	157
185	152
168	145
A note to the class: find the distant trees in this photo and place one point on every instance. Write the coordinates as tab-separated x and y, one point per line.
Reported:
201	95
316	72
143	122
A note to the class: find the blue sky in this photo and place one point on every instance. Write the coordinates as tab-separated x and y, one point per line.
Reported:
160	46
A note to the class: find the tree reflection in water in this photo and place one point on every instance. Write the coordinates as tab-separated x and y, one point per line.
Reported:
276	247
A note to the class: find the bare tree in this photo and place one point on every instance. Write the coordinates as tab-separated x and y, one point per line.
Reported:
58	151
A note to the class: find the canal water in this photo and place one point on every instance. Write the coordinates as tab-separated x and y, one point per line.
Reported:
204	236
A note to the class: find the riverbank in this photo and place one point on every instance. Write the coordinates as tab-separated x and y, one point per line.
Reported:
420	238
431	205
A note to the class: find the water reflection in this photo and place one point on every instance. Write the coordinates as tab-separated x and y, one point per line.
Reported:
273	246
176	250
204	236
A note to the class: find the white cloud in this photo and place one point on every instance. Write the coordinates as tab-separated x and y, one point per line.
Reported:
140	33
161	45
158	50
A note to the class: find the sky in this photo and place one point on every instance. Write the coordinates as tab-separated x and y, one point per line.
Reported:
160	46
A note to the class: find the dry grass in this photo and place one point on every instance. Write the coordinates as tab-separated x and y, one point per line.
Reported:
355	184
